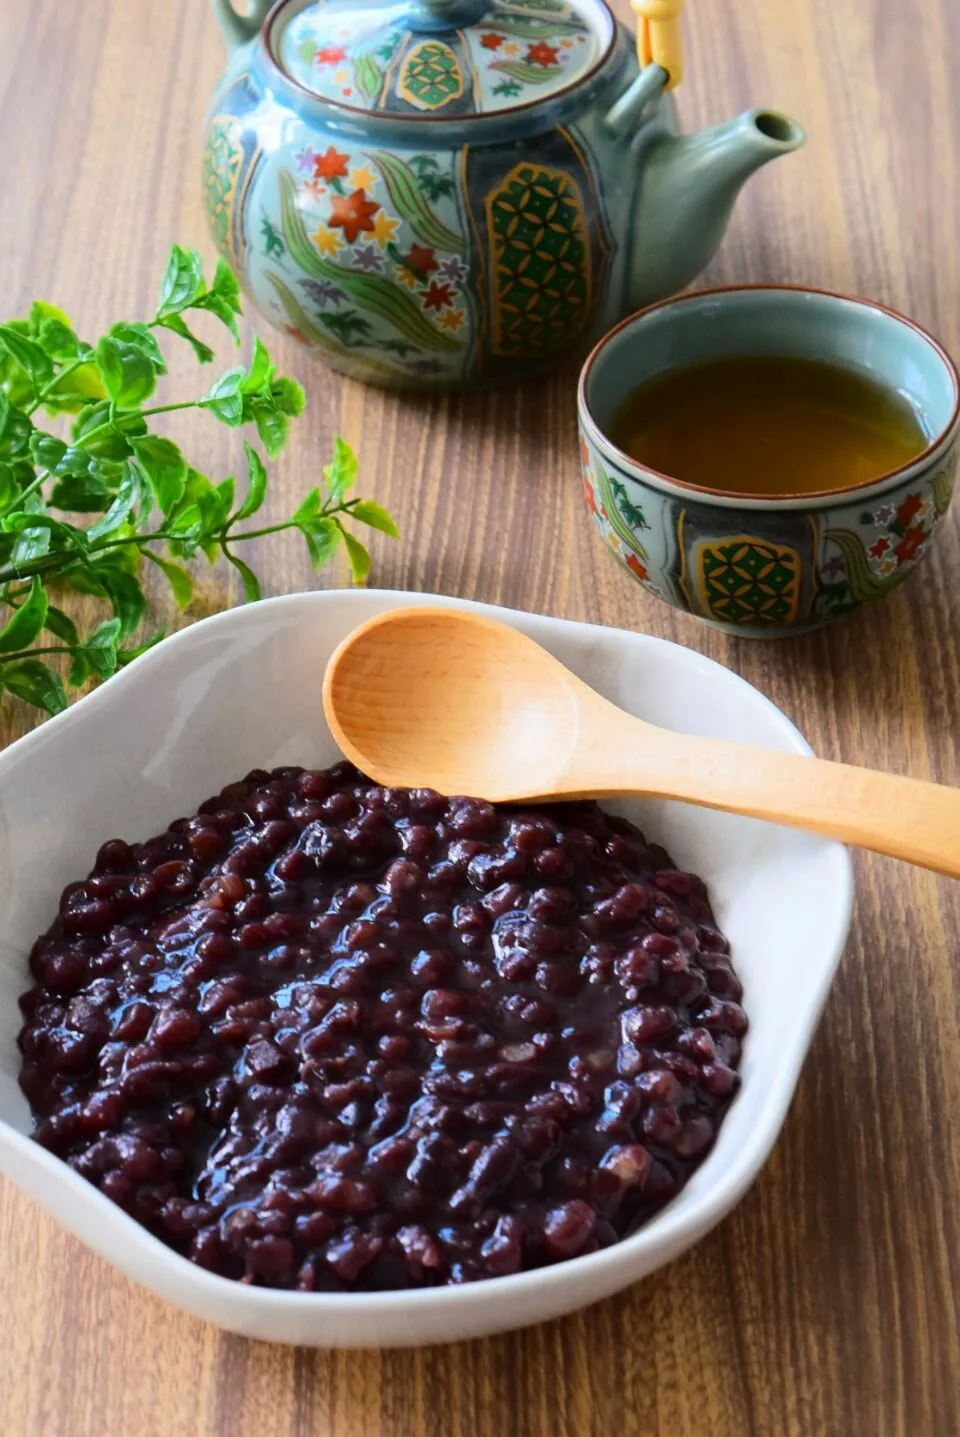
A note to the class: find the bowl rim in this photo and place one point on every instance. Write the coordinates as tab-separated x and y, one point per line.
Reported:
769	503
666	1231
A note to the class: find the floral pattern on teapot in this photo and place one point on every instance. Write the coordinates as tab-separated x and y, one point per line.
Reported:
410	265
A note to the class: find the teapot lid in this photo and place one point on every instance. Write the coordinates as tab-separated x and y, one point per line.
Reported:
439	59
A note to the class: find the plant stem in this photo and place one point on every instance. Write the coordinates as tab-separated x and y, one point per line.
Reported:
33	653
169	408
49	388
290	524
83	442
48	563
32	487
261	533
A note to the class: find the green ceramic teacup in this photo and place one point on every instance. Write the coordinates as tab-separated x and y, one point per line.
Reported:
754	565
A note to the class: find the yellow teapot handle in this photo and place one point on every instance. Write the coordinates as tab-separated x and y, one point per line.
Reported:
659	40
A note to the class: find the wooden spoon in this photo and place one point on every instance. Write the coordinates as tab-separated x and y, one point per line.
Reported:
439	698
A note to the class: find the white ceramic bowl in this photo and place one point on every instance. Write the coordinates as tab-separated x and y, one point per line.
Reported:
242	690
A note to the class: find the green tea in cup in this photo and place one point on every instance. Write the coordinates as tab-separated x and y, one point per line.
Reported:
768	424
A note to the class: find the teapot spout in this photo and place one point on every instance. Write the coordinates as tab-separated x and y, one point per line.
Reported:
689	186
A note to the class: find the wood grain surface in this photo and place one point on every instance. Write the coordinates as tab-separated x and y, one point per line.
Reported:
827	1303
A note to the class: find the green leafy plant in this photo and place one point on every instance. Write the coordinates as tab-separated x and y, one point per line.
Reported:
86	510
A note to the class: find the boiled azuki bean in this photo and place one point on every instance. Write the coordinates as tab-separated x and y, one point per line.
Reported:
325	1036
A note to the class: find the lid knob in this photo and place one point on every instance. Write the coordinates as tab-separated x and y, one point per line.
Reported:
659	40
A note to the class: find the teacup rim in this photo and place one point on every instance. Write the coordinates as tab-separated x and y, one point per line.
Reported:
890	478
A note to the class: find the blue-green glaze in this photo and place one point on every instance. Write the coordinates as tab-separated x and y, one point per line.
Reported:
758	566
418	229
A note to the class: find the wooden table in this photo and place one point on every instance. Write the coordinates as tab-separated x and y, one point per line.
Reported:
827	1303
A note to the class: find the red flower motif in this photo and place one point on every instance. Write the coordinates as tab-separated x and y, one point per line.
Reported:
589	495
438	296
296	334
331	166
907	510
911	542
542	54
332	55
422	259
584	452
635	566
879	548
353	214
492	42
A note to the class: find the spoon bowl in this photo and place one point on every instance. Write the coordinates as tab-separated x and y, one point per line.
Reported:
444	699
420	691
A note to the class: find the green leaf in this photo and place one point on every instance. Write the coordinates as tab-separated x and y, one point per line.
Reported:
198	497
141	336
56	338
75	460
70	393
126	596
27	353
256	485
225	492
80	669
100	649
31	544
226	286
16	430
358	556
224	311
112	437
36	684
34	540
179	326
323	538
27	518
223	298
129	495
260	372
127	656
309	508
27	622
13	479
272	429
251	584
367	511
341	474
47	451
165	468
91	418
81	494
180	581
225	398
182	283
288	396
127	373
62	625
40	311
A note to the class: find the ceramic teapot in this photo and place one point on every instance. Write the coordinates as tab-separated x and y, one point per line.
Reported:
440	193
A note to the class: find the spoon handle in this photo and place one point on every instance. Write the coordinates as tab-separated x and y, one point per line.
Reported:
905	817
